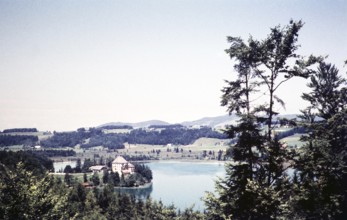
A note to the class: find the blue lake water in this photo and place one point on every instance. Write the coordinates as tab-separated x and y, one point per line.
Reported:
180	183
183	183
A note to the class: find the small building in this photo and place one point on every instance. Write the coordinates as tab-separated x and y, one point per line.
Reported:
98	168
122	166
87	185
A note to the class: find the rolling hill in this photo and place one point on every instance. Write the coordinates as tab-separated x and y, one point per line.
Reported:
214	122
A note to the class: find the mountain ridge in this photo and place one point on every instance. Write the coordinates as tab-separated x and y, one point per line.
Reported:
141	124
217	121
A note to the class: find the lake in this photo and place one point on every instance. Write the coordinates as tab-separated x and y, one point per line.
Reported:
60	166
180	183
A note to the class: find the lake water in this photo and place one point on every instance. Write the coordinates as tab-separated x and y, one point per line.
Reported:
180	183
183	183
60	166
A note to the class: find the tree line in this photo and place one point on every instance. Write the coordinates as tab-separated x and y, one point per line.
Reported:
32	161
296	130
111	127
166	126
36	195
177	136
170	135
20	130
55	153
10	140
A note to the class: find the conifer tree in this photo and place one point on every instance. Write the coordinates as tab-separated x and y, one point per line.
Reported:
256	185
322	162
24	195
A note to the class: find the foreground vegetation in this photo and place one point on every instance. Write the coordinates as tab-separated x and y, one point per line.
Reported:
258	185
28	192
82	174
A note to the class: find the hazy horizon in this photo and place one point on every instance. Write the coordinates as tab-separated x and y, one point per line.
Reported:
70	64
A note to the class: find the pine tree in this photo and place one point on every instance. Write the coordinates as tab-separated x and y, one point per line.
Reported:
322	162
256	185
95	179
92	210
24	195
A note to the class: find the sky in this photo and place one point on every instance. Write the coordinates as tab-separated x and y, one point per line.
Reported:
82	63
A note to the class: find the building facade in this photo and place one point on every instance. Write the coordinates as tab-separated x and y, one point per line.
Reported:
122	166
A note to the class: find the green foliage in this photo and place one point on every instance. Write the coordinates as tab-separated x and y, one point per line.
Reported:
68	179
78	167
10	140
95	179
322	163
68	169
65	139
55	153
26	196
32	161
173	134
114	179
20	130
326	96
86	165
105	177
256	185
85	178
144	171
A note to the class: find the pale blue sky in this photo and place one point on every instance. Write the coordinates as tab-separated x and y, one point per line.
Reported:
69	64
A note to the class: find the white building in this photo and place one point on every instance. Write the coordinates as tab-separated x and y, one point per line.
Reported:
98	168
122	166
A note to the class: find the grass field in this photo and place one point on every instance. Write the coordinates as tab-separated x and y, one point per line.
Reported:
188	152
293	140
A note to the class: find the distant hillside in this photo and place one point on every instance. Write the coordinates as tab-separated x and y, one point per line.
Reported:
218	121
142	124
213	122
222	121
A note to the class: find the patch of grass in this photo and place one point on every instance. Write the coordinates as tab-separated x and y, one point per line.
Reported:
293	140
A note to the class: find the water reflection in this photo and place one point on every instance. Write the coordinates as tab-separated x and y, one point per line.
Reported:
138	192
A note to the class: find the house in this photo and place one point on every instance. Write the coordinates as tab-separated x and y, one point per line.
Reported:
122	166
87	185
98	168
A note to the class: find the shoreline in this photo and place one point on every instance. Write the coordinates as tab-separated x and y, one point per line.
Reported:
183	161
70	159
144	186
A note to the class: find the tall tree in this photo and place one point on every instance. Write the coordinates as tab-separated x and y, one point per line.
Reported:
78	168
256	185
322	162
24	195
95	179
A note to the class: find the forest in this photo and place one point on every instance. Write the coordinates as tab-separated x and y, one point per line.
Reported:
170	135
28	192
86	138
19	130
10	140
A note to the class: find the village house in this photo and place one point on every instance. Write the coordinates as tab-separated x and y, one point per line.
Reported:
122	166
98	168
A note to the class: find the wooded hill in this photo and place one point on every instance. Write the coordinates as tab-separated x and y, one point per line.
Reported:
109	137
